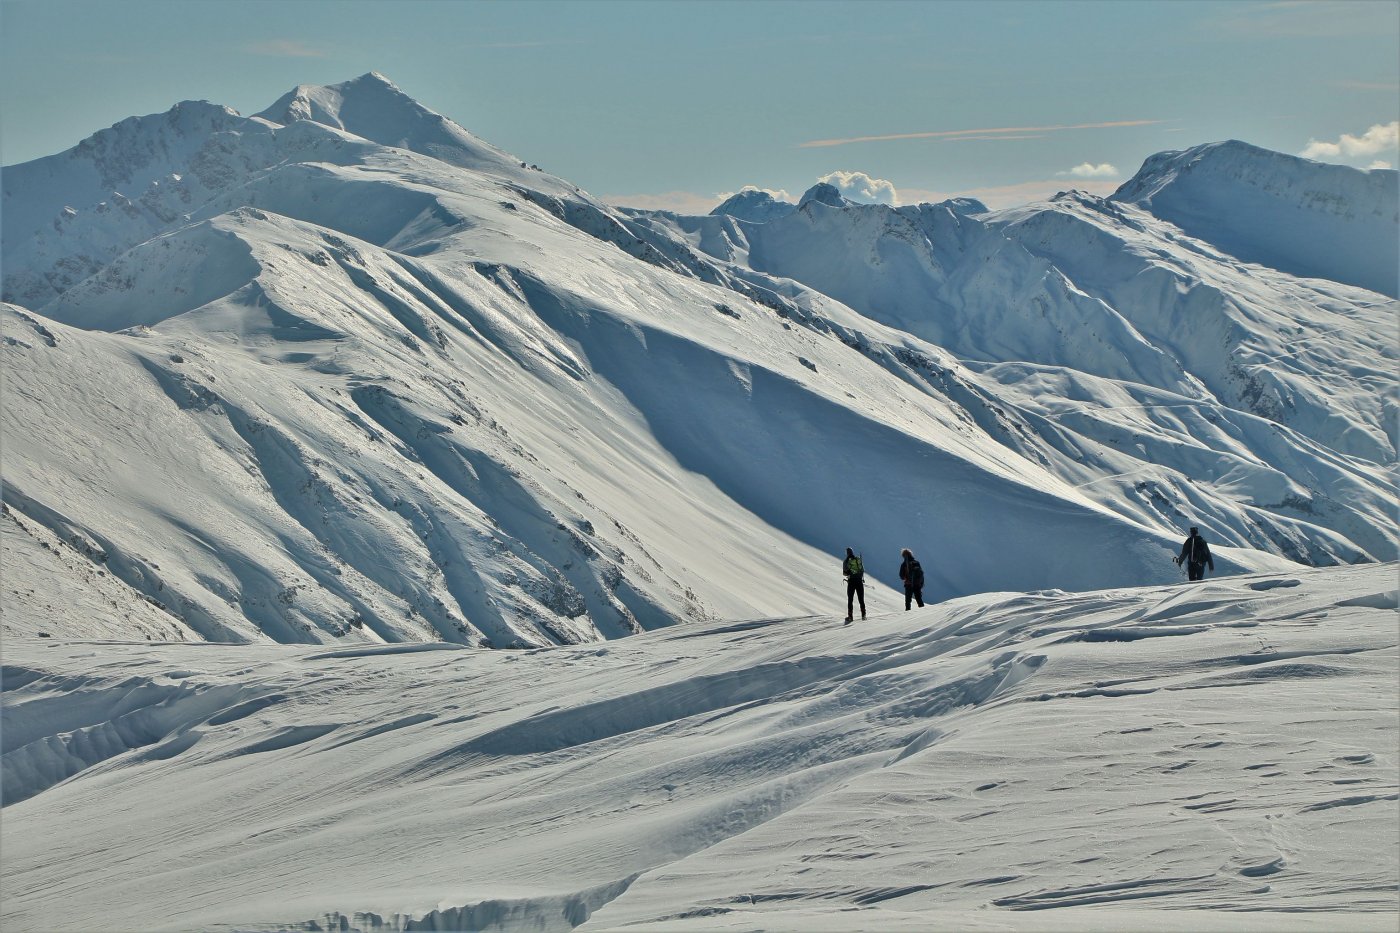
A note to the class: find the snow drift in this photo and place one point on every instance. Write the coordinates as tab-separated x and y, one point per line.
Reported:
1218	755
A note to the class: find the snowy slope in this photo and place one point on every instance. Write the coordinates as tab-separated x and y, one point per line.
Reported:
1187	380
1182	758
1303	217
342	371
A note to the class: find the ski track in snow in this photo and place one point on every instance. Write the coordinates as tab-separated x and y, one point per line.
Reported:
1178	757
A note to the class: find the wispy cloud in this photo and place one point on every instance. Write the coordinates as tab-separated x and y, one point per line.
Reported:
1004	132
1090	170
283	48
524	44
859	186
1380	163
967	139
1382	137
1391	87
680	202
1302	19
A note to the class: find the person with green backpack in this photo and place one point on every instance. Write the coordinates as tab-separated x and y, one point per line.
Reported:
853	569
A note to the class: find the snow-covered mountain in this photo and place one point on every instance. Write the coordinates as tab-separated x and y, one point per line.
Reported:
1215	757
1307	218
1112	323
754	205
342	371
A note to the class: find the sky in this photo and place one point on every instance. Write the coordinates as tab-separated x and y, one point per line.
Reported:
677	104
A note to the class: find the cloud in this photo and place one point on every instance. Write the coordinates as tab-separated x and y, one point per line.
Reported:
1005	132
1382	137
1301	19
283	48
778	194
679	202
859	186
1380	163
1390	87
966	139
524	44
1090	170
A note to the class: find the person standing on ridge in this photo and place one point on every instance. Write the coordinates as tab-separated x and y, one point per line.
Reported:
1195	555
913	576
853	569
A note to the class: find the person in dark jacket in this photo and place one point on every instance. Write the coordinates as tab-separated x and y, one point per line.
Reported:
1195	555
913	576
853	569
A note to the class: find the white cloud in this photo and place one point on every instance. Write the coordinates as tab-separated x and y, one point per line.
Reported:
1090	170
859	186
1301	19
680	202
1389	87
1000	132
1380	163
283	48
1382	137
778	194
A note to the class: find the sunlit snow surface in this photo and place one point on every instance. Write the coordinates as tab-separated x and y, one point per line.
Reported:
1210	756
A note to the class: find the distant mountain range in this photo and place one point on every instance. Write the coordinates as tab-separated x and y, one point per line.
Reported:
340	371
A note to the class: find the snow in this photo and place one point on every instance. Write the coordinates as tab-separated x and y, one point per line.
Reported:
366	378
823	193
754	206
1179	757
302	408
1307	218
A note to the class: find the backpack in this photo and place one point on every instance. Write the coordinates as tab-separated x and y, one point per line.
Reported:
854	566
915	580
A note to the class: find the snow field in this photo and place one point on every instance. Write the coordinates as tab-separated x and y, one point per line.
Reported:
1186	756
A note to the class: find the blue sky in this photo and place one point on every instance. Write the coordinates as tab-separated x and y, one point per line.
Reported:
672	104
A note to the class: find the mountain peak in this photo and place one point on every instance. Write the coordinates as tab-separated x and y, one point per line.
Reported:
1310	219
755	205
370	106
824	193
374	108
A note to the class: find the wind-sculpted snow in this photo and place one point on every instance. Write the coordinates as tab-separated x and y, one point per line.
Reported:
1218	754
342	372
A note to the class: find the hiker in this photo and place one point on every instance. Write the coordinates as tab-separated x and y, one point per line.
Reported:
913	576
1195	555
853	569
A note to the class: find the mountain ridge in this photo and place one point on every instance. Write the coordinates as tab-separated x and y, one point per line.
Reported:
474	404
1308	218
